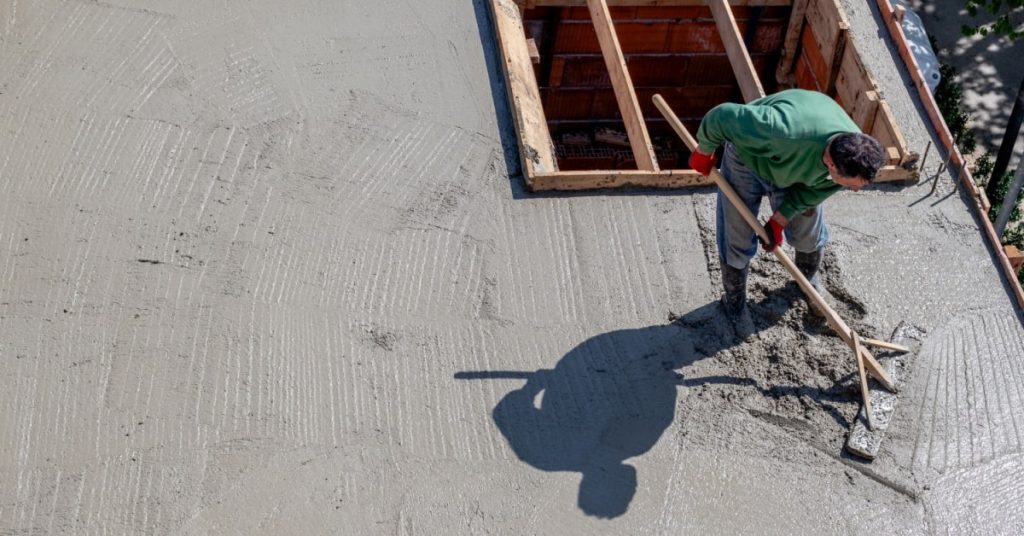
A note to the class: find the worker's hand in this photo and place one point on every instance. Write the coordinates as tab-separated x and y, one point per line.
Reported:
702	162
774	230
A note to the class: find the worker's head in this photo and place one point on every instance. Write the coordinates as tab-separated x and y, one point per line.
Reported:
853	159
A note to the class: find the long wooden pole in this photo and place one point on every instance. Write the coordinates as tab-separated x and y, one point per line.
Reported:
865	393
833	319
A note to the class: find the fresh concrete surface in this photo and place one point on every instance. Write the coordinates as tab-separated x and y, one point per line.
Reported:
266	268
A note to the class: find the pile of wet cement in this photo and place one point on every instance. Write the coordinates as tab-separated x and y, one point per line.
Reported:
794	371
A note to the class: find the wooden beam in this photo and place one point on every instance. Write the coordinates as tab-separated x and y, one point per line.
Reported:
654	3
586	180
896	174
531	47
837	61
536	150
791	44
864	391
746	75
639	140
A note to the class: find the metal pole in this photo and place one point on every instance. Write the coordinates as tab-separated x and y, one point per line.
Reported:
1010	200
1009	140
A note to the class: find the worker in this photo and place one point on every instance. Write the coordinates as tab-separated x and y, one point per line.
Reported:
796	147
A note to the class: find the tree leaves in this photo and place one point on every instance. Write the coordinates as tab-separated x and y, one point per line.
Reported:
1003	10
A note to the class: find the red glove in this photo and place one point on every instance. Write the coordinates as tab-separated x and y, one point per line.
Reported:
774	231
702	162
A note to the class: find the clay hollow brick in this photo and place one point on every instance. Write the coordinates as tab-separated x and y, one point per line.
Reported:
674	51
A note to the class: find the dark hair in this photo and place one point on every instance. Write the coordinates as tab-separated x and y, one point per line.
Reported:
856	155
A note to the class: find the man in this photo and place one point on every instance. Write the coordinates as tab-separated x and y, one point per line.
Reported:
796	147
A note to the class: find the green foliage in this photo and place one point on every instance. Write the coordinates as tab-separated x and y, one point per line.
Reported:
1005	12
983	169
997	201
949	97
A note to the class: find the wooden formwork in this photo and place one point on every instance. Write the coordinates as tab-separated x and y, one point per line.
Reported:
819	54
597	63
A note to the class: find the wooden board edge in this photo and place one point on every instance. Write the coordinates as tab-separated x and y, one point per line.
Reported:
587	180
536	149
525	4
897	174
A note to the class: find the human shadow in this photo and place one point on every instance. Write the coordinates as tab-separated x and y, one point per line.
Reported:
607	400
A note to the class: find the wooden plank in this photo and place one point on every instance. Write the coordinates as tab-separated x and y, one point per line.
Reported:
746	75
811	51
864	110
535	147
791	43
893	155
835	63
864	391
895	137
885	345
856	89
587	180
640	141
827	19
531	48
896	174
803	75
656	3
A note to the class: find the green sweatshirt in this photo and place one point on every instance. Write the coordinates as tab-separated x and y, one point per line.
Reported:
782	138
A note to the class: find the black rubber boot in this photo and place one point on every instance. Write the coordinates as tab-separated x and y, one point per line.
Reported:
809	264
734	300
734	282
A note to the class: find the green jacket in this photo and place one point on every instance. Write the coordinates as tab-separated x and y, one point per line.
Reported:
782	138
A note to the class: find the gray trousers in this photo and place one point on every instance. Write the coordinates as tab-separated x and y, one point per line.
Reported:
737	242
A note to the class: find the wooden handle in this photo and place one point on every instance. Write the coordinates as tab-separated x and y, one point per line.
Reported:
887	345
864	391
831	316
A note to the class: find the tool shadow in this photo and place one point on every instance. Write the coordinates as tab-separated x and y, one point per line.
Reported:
607	400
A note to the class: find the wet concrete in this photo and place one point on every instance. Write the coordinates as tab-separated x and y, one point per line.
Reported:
269	268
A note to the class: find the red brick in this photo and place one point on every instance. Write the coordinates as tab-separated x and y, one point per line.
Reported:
585	72
816	62
696	37
538	13
639	37
680	13
605	105
740	12
710	70
622	13
567	103
556	74
768	37
804	75
576	38
776	13
658	70
576	13
691	101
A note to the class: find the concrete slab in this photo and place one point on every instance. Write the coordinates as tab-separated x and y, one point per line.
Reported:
269	268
